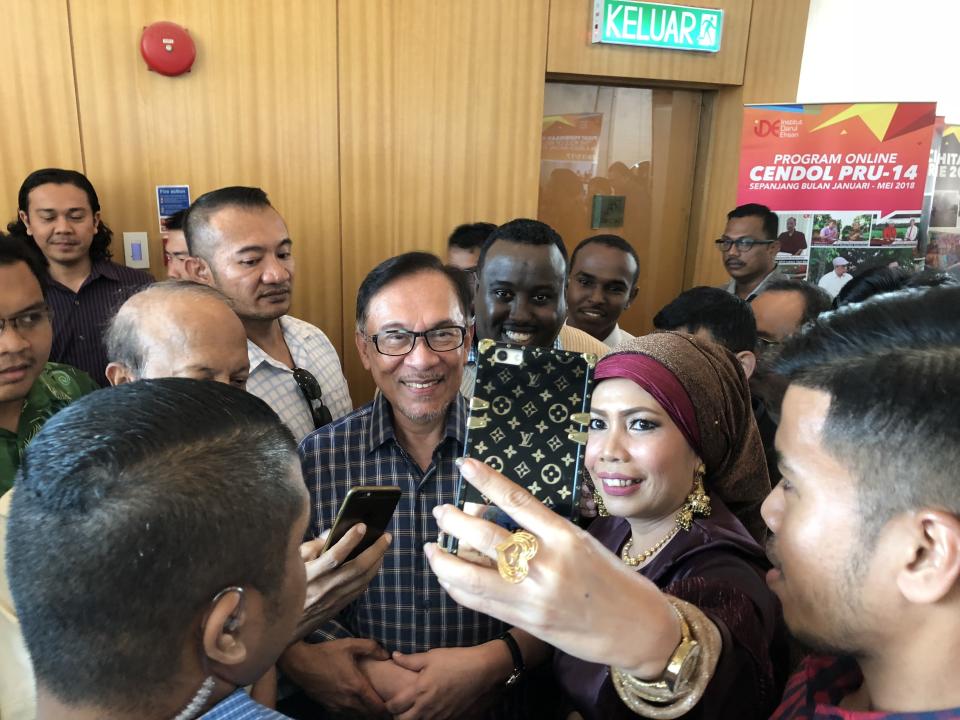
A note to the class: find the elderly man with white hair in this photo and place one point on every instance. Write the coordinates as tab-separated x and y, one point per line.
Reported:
833	281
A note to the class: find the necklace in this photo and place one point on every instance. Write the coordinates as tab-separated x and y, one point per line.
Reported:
646	554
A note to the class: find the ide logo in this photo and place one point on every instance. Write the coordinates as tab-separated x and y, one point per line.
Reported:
762	128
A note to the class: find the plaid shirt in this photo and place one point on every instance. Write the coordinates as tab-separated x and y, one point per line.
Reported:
404	608
816	689
240	706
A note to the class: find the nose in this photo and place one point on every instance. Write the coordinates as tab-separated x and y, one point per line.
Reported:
596	294
772	509
11	341
421	357
275	272
62	225
520	312
734	250
611	447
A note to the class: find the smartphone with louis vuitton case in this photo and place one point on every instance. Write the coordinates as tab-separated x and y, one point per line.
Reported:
528	419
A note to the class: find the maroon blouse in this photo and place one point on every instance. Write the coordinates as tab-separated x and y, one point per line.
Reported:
718	567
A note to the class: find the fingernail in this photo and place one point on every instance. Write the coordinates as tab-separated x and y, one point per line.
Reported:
389	537
360	528
429	549
438	511
459	461
467	469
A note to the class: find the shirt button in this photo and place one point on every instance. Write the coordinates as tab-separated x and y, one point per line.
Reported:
76	302
81	337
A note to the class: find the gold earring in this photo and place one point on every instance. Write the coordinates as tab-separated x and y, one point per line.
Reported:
698	502
598	501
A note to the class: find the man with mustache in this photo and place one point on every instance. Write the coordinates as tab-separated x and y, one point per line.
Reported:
521	292
404	648
239	244
866	520
749	245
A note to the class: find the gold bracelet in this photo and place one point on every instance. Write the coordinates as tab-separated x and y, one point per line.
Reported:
689	670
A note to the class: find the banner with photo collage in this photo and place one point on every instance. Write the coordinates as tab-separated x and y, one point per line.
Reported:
942	250
847	181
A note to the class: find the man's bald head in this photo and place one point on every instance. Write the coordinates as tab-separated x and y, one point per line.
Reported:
177	329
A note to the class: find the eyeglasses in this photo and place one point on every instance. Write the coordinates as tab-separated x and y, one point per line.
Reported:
401	342
766	343
744	244
313	394
28	321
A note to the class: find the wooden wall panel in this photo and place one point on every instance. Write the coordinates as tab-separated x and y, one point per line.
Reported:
440	114
572	53
259	108
772	73
40	127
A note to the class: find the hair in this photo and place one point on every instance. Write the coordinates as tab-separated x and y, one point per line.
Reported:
196	224
524	232
816	300
880	280
771	222
134	506
470	236
727	318
175	221
613	241
14	250
100	247
407	265
124	334
891	366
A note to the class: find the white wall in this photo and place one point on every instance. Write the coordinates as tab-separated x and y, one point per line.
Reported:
882	50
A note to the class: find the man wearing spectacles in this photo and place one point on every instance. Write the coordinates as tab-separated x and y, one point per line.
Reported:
445	660
240	245
749	246
31	389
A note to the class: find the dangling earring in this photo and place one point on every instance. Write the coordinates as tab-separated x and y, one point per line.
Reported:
698	502
598	501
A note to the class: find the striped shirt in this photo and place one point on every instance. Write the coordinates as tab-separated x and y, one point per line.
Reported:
272	381
817	688
240	706
404	607
80	318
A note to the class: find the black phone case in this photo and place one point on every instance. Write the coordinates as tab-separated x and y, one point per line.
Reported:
529	421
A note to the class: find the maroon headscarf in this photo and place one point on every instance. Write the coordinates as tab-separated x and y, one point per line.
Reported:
703	388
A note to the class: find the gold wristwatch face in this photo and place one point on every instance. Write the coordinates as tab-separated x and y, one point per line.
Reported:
682	664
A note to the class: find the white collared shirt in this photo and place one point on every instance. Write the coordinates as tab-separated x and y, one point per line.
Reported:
618	336
832	283
272	381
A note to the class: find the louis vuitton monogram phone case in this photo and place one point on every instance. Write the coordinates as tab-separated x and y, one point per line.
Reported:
528	419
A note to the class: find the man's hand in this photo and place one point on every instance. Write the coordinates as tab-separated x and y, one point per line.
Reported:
327	672
452	682
332	583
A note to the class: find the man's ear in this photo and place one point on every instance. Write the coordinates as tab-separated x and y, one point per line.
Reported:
25	220
749	362
222	641
96	221
931	569
198	270
633	296
363	347
119	374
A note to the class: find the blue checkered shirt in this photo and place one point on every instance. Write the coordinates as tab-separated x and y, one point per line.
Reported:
240	706
404	608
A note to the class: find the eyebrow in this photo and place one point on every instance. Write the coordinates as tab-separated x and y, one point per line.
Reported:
36	306
628	411
261	248
69	210
400	326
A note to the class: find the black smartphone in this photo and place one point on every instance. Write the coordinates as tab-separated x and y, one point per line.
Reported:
371	505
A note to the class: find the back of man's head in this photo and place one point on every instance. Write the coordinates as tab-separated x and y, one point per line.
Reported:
891	367
727	318
769	218
815	301
135	506
470	236
880	280
403	266
201	238
158	315
524	231
14	250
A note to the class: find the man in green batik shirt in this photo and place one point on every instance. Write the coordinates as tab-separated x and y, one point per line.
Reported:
31	389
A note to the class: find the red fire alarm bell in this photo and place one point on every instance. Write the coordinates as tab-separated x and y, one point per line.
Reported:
167	48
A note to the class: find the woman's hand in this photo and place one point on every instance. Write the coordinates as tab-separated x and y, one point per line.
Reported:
578	596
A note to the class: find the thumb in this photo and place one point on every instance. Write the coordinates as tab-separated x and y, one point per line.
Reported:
416	662
363	647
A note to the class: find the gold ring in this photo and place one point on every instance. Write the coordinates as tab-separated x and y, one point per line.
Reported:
514	554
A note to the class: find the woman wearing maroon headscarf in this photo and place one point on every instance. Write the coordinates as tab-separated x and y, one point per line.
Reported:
679	468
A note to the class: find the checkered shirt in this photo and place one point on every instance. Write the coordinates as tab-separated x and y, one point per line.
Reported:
240	706
404	608
272	381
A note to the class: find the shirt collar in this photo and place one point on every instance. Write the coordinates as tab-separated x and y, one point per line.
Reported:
613	338
256	355
382	428
99	269
732	285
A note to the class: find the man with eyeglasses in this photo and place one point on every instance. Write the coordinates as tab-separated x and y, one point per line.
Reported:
405	648
239	244
749	245
31	389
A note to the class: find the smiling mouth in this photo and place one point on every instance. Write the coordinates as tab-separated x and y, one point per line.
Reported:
593	313
518	337
421	384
